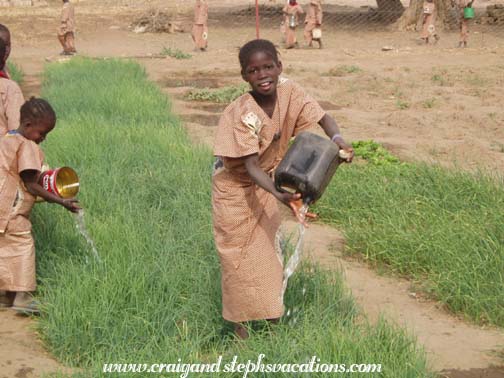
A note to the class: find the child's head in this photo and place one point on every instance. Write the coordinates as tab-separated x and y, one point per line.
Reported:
260	66
37	119
5	37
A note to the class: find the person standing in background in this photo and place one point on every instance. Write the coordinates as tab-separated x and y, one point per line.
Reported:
291	12
429	19
463	21
66	29
313	21
200	27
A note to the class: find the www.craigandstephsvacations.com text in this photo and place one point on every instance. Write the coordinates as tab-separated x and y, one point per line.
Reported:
185	370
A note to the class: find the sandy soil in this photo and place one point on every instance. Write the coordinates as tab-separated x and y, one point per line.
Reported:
435	104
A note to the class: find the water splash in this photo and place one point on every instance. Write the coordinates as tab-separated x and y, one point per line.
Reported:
81	226
293	262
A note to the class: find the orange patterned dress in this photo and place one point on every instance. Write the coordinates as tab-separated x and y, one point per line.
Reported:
313	19
17	249
200	27
245	217
429	19
11	100
291	12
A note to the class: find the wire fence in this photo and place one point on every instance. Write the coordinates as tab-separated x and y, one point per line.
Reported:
348	17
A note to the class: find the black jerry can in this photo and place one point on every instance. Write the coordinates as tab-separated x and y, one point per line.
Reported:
308	166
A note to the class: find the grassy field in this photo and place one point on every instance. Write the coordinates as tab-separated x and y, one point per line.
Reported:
441	227
15	72
155	297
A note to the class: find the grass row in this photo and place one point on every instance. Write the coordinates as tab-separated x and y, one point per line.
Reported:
16	72
444	228
155	297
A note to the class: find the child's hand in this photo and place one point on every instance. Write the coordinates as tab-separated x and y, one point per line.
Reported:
71	205
346	153
294	202
296	206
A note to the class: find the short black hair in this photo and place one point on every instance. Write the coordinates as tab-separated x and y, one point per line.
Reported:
254	46
36	109
4	29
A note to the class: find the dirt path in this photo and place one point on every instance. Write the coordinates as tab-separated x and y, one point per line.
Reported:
366	106
22	353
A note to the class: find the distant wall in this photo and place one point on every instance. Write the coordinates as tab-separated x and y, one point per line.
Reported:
21	3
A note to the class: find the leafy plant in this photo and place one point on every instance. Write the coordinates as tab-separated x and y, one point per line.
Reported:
373	152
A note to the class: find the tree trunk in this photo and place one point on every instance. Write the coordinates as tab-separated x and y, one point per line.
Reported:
389	10
412	17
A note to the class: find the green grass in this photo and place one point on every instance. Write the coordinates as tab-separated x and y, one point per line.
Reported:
429	103
442	78
344	70
402	105
222	95
175	53
16	72
442	228
155	297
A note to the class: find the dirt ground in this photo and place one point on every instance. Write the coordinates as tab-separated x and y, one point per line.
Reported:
436	104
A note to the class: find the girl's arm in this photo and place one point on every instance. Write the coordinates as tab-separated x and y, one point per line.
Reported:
331	129
30	178
262	180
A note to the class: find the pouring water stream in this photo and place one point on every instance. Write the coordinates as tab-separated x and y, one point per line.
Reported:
81	226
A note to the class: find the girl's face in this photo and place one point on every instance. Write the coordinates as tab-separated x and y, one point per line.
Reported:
37	130
262	73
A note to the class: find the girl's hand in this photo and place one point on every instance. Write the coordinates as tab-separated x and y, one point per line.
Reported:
294	202
71	205
346	151
347	154
296	209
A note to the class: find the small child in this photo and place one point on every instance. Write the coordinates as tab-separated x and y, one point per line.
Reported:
6	38
11	97
66	29
313	21
20	167
429	19
200	27
463	22
292	10
252	137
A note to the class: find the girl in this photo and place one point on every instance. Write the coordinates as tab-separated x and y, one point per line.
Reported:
464	22
20	166
429	18
11	97
200	28
67	29
291	12
252	137
313	20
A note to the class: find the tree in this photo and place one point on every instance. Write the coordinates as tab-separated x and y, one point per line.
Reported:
412	16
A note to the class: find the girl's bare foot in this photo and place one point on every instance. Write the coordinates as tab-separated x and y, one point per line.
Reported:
241	331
